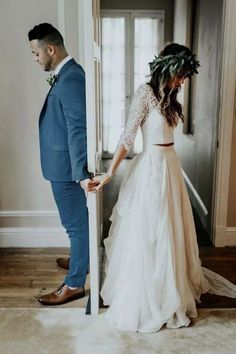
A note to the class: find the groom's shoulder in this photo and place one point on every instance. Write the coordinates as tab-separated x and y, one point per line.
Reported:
76	69
72	78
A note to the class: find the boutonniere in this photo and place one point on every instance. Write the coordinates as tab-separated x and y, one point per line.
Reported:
52	79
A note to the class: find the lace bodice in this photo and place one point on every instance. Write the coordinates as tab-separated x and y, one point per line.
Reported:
144	113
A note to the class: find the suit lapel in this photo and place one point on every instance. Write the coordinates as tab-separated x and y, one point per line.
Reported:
63	69
44	105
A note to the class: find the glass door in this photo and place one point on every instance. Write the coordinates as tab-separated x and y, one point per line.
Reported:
130	39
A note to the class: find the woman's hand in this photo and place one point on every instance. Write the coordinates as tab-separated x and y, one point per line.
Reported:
89	185
104	179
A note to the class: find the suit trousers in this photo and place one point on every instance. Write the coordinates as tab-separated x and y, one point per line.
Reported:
71	203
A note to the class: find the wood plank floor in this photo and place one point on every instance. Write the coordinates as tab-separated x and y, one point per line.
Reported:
223	262
27	273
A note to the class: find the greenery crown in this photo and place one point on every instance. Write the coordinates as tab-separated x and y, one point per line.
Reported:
175	63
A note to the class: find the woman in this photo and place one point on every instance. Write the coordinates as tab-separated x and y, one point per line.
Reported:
154	274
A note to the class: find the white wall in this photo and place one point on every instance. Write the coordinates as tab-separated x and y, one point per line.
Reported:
28	214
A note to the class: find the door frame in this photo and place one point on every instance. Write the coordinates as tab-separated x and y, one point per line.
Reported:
222	234
88	50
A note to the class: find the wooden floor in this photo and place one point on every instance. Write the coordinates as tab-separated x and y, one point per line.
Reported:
223	262
27	273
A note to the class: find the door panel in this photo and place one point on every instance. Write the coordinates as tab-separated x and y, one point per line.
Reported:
197	148
90	19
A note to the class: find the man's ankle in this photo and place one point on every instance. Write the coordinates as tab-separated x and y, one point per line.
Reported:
75	287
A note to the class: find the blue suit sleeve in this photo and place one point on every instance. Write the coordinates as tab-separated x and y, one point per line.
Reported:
74	108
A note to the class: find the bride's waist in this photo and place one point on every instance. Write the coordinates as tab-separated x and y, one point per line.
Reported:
166	146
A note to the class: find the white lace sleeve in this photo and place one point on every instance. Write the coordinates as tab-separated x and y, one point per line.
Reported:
137	113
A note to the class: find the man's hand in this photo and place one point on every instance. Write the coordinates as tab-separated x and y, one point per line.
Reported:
89	185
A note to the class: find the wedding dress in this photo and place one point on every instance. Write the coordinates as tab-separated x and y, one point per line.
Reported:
153	271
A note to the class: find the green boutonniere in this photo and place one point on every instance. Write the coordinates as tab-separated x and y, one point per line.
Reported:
52	79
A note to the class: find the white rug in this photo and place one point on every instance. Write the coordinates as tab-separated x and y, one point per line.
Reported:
70	331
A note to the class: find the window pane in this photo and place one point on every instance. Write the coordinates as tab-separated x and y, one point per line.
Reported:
146	44
113	77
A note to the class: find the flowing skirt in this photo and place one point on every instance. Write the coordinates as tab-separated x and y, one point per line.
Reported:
153	271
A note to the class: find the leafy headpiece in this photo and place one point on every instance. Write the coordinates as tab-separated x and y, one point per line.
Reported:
175	63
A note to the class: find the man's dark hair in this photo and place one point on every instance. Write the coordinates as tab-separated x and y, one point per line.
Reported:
46	33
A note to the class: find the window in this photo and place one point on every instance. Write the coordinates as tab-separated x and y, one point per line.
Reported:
130	39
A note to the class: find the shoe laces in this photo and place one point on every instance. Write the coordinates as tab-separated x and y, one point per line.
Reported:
60	289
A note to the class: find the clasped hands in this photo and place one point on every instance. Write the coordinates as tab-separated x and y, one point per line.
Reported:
96	183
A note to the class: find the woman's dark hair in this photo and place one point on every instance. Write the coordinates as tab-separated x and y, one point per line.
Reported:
46	33
166	96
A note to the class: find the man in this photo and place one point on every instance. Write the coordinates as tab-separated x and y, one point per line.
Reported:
63	152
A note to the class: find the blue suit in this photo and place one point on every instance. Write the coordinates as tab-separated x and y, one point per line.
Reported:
63	152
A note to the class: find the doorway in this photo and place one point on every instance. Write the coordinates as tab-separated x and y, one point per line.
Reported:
197	141
136	37
130	39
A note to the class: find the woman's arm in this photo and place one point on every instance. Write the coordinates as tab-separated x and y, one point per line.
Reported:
138	110
119	155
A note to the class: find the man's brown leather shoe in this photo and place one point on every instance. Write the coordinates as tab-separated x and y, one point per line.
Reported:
63	262
62	295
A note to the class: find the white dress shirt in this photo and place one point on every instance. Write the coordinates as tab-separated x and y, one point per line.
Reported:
62	63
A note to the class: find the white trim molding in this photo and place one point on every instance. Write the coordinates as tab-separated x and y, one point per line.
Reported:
225	236
97	51
80	6
222	234
27	213
33	237
61	17
86	15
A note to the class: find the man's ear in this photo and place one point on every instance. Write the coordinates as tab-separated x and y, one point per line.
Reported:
51	49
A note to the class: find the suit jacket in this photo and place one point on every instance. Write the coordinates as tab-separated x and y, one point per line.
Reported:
62	127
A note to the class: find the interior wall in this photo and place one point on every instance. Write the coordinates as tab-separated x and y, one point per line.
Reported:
198	151
26	203
166	5
231	216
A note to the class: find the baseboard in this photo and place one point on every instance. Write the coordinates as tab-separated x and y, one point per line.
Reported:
27	213
33	237
28	219
225	236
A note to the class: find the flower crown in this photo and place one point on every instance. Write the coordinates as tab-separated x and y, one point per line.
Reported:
175	63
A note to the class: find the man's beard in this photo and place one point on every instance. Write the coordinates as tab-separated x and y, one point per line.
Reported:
48	65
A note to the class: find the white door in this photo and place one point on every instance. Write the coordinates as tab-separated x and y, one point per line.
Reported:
90	52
